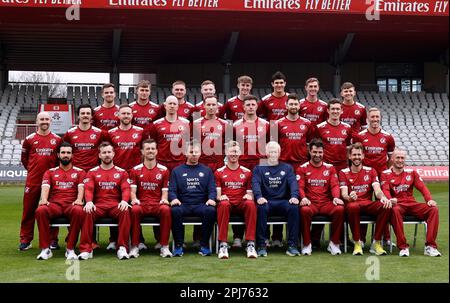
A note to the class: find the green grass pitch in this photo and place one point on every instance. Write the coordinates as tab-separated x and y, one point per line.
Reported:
277	267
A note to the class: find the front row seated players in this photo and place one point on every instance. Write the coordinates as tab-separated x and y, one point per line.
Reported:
398	184
358	184
192	191
319	186
276	193
61	195
107	192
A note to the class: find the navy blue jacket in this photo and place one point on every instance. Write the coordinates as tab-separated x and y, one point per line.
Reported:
274	182
192	184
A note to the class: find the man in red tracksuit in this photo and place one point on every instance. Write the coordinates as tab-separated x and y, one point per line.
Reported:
149	196
62	195
235	195
107	192
319	189
398	185
38	155
358	185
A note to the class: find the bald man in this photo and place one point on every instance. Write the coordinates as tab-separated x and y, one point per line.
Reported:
38	155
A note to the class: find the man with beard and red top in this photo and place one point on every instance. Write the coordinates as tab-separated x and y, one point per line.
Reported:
106	192
252	133
62	195
211	131
185	108
207	89
38	155
273	106
149	196
126	140
335	135
170	133
234	107
358	185
294	132
235	196
312	108
353	113
144	111
398	185
85	139
378	147
106	115
319	189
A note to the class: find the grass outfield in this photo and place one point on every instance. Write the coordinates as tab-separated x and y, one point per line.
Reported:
277	267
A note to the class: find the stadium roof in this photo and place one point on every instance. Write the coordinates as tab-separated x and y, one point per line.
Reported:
141	38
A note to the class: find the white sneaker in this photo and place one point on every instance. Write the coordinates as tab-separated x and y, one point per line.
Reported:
45	254
122	253
157	246
85	255
307	250
165	252
71	255
431	251
251	251
142	246
237	243
277	243
404	252
223	252
134	252
334	249
196	244
111	246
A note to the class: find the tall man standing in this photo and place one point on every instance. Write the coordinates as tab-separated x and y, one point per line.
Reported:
353	113
85	139
143	109
106	115
234	107
273	106
38	155
312	108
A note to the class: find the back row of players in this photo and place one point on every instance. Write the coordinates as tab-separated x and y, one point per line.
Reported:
293	123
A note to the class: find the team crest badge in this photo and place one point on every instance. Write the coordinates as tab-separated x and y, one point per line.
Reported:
282	173
135	136
93	136
201	174
151	111
181	128
219	127
53	142
260	129
320	109
344	132
74	175
158	177
357	112
408	178
366	178
116	114
302	127
242	176
383	140
116	176
326	173
186	111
